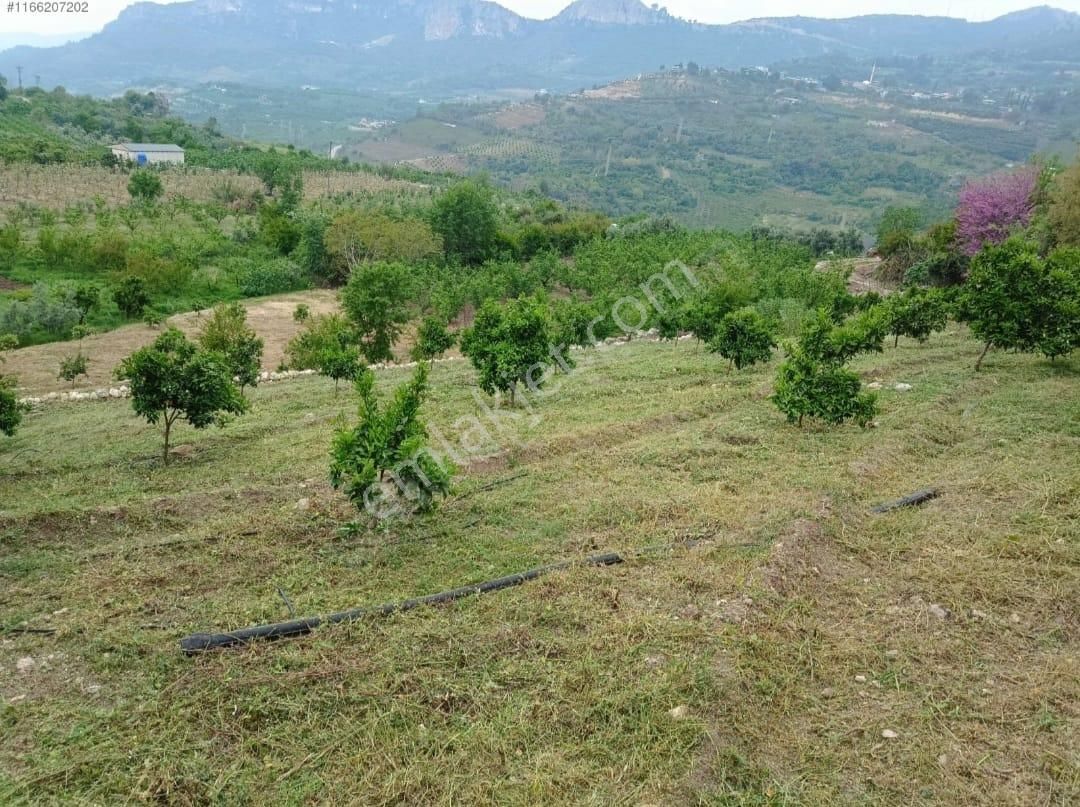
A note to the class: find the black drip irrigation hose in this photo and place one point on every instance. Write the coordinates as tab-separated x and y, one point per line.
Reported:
912	500
202	642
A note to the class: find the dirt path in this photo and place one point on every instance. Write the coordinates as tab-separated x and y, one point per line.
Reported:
863	279
272	318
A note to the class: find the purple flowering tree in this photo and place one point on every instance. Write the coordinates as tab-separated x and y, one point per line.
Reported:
991	209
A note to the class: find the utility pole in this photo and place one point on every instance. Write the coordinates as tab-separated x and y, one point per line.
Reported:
19	70
607	166
37	79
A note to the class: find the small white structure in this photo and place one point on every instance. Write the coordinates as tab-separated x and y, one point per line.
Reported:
149	153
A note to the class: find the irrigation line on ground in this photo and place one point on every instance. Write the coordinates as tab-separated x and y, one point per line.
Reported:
203	642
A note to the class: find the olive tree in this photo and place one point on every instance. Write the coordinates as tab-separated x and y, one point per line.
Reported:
227	332
175	379
385	455
508	344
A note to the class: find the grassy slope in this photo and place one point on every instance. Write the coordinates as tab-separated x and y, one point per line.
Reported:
559	692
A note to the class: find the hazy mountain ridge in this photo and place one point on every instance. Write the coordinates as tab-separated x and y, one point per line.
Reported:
462	46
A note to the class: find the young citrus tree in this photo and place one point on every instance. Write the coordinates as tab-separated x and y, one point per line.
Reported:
917	312
432	339
466	218
385	455
10	409
71	367
1015	300
327	345
227	332
174	379
814	382
376	301
508	344
743	338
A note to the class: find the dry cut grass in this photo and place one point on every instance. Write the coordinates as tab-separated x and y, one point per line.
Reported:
807	652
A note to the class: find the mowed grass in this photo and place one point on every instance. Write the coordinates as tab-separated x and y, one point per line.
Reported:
799	630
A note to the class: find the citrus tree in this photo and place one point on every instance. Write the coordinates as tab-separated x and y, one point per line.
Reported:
433	339
71	367
175	379
327	345
814	381
744	338
10	409
227	332
385	454
917	312
1015	300
508	343
376	301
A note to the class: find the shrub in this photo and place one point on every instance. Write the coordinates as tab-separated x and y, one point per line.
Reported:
432	339
145	186
508	344
743	338
302	313
389	442
10	410
814	382
270	277
131	296
227	332
808	387
174	379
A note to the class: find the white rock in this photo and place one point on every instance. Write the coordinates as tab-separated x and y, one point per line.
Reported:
940	611
903	387
874	385
679	712
25	665
889	734
860	679
304	504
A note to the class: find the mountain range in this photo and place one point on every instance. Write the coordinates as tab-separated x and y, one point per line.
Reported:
454	47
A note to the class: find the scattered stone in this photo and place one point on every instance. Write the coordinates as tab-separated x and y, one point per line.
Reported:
903	387
860	679
828	692
690	612
940	611
1014	618
183	452
652	662
889	734
679	712
941	760
25	665
304	504
892	654
874	385
977	614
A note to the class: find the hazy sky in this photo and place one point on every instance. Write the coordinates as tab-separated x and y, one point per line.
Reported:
101	11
